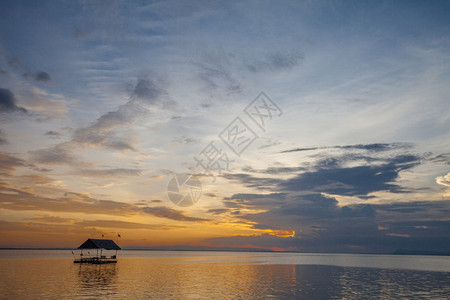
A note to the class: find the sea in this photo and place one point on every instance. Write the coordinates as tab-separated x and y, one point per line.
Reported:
51	274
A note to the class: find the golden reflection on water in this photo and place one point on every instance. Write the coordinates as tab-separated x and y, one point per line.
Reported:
175	278
97	280
209	277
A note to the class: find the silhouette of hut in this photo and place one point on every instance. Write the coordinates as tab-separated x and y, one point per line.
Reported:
98	244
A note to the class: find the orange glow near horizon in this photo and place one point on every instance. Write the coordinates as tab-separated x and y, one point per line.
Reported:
65	230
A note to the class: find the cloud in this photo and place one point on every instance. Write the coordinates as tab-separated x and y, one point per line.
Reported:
53	134
274	170
352	181
259	183
58	154
109	172
104	132
46	106
124	225
443	180
226	72
300	149
321	225
288	211
20	200
37	227
39	76
337	175
146	202
441	158
169	213
218	211
416	211
185	140
147	90
302	203
277	61
2	138
50	219
254	200
8	102
215	71
42	76
9	163
376	147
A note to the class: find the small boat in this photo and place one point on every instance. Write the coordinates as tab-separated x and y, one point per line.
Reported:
97	244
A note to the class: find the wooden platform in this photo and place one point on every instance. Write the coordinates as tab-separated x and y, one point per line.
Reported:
95	260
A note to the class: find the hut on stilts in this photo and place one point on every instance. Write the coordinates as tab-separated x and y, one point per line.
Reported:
98	258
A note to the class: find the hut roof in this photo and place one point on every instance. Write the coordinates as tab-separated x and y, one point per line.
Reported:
99	244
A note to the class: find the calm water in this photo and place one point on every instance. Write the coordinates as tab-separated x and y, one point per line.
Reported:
50	274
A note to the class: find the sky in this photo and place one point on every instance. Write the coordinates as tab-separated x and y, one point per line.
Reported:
312	126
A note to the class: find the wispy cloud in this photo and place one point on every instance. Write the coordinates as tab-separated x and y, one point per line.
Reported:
43	105
225	73
275	62
19	200
106	131
377	147
39	76
124	225
102	133
117	173
9	163
169	213
218	211
58	154
53	134
215	71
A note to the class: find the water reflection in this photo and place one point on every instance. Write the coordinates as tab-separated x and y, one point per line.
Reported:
97	280
156	278
204	276
175	279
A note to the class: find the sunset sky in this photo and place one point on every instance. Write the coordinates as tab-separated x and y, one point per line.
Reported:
103	102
